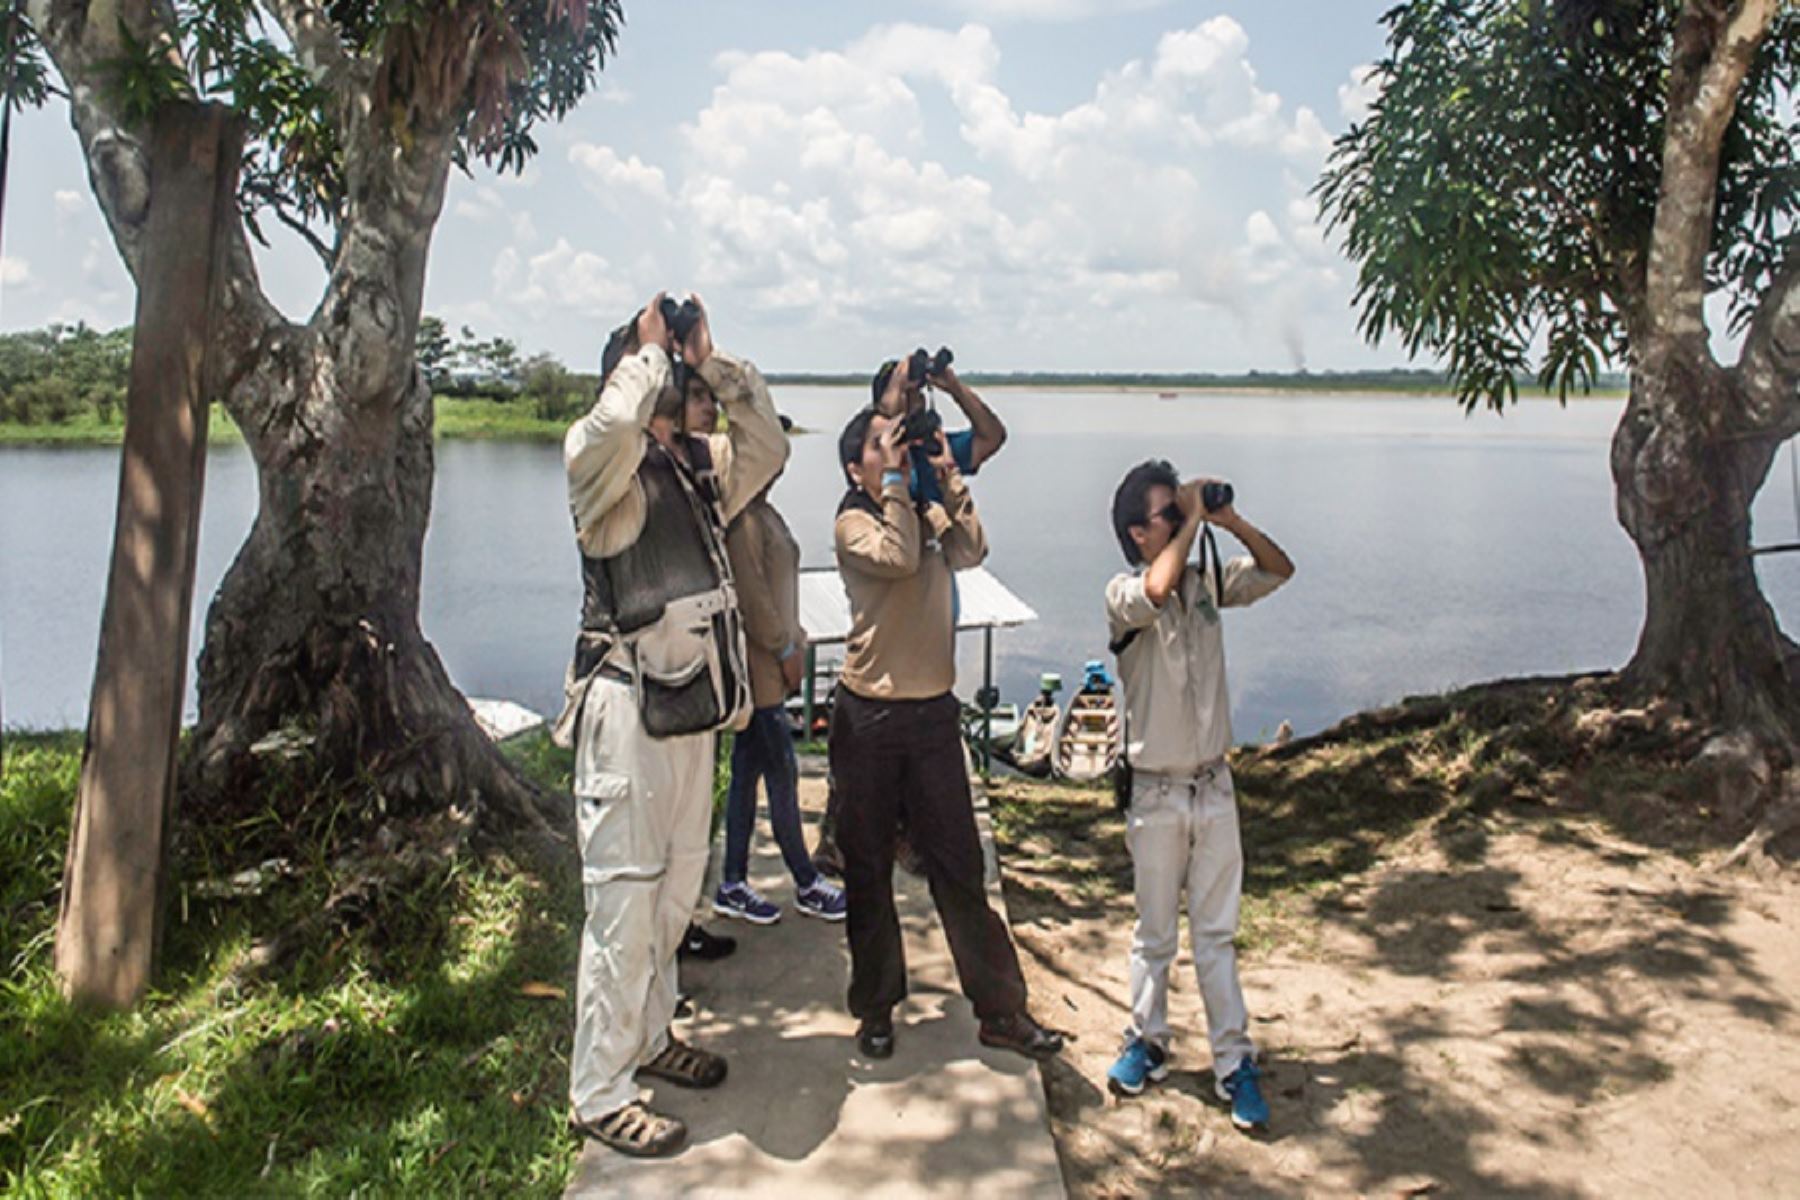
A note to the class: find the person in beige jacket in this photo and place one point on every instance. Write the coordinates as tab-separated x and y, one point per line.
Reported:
765	561
658	670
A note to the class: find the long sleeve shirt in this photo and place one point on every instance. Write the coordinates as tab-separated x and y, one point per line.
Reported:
765	563
896	566
1177	706
603	449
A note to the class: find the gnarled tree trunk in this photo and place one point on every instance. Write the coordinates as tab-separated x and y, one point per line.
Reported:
1688	459
315	628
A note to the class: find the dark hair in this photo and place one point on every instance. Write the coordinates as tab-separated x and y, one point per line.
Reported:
622	342
1133	498
853	439
878	385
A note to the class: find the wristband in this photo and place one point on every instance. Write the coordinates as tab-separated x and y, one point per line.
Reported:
893	479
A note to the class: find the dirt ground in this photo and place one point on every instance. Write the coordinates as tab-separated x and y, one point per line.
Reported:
1505	998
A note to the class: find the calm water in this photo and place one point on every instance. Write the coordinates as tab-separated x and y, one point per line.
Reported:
1433	549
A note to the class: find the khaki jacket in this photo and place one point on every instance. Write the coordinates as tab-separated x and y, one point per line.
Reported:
765	563
896	566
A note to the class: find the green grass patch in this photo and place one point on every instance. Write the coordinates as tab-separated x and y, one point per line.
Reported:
399	1054
470	419
87	429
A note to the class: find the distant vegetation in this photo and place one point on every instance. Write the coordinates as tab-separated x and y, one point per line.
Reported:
66	384
1404	380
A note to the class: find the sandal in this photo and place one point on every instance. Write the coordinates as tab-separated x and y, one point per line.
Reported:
636	1130
685	1066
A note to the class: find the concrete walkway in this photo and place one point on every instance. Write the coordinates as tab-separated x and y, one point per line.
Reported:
803	1114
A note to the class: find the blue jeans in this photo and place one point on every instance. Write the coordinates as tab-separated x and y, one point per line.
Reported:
765	751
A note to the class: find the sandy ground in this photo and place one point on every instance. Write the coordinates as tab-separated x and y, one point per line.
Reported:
1524	1007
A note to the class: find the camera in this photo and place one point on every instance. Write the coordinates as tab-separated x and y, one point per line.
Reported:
923	364
1214	496
680	318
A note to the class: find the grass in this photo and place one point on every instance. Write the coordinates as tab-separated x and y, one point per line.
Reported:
420	1050
89	430
466	419
1317	815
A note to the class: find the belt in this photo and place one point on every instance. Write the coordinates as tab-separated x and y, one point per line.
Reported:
617	674
1205	768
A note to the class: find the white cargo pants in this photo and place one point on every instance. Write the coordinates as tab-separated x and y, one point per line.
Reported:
643	812
1183	832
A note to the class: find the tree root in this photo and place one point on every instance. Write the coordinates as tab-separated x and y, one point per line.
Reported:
397	858
1780	818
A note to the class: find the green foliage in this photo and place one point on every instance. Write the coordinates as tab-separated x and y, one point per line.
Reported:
529	61
63	374
552	390
1500	196
432	348
400	1055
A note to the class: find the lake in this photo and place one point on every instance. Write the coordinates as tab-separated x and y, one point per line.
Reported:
1433	549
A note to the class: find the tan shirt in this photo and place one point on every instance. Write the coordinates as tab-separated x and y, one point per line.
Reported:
603	449
765	563
896	569
1177	706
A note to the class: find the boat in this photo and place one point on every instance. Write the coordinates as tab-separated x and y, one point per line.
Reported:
1088	740
1031	748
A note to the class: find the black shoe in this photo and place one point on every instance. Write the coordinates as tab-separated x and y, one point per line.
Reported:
875	1036
704	946
1022	1035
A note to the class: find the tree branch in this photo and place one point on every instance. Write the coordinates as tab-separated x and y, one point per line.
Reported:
1769	367
321	52
83	39
1713	51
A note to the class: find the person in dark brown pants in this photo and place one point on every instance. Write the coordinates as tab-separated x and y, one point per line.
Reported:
896	742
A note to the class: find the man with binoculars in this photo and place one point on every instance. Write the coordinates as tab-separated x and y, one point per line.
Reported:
896	737
1182	824
904	397
659	668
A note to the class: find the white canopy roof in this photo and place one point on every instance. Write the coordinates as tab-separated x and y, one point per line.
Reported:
983	603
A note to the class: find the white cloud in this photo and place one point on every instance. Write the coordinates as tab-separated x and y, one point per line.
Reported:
1049	10
818	184
1357	97
561	279
69	205
607	175
482	204
14	272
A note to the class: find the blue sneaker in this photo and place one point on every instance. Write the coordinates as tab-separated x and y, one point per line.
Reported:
740	901
1141	1062
1248	1108
822	900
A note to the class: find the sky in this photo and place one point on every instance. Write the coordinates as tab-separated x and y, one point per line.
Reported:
1082	185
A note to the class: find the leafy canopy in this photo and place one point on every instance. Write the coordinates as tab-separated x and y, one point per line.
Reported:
1499	198
533	60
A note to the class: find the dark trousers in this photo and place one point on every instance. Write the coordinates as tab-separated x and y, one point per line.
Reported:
903	758
765	751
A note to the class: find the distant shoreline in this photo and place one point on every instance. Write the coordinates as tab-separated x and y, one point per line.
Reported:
461	419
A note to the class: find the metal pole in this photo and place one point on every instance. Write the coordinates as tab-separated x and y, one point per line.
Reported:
987	696
806	704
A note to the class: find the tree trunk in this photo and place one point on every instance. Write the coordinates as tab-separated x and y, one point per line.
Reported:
315	627
1687	466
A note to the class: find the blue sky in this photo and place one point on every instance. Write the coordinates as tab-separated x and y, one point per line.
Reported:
1056	184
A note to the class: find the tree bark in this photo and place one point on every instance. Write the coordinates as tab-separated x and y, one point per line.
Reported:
315	628
1686	473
